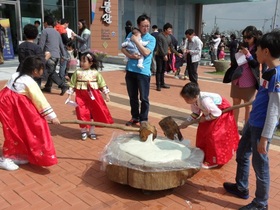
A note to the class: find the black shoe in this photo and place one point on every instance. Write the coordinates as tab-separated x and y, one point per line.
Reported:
158	89
46	90
165	86
64	89
254	206
233	189
132	122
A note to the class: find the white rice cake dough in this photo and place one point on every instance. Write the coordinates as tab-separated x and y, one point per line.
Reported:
160	151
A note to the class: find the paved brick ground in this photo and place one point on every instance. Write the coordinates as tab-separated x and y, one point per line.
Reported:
77	181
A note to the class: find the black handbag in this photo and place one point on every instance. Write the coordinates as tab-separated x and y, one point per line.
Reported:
237	73
228	75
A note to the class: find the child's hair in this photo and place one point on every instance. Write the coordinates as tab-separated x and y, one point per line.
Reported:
190	90
29	64
30	31
135	30
271	41
91	58
72	45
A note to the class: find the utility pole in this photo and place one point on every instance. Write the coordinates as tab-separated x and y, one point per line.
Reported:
275	15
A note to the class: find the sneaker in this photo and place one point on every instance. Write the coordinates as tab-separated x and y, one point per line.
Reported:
8	164
84	136
254	206
234	189
20	162
206	165
132	122
92	136
183	77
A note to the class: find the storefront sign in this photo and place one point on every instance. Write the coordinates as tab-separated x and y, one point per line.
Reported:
107	17
8	48
105	34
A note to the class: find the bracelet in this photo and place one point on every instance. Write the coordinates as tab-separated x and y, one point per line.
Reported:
189	118
70	91
106	90
208	117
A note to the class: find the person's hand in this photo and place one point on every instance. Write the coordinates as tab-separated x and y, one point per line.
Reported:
244	50
134	56
180	55
262	145
165	58
73	34
134	38
107	98
184	124
55	121
47	55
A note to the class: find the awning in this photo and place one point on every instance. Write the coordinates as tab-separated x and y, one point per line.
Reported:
204	2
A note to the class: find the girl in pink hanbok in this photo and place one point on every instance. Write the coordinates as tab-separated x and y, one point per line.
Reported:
217	134
88	84
24	112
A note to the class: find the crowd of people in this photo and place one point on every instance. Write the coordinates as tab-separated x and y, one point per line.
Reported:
255	78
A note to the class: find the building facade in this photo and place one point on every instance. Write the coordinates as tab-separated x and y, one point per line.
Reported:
106	18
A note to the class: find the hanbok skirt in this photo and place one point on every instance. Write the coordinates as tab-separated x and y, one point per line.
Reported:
218	138
91	106
26	132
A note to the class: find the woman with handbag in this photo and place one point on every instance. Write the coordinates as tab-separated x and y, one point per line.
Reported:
245	78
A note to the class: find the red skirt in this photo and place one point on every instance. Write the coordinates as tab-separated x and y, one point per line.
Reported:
89	109
218	138
26	132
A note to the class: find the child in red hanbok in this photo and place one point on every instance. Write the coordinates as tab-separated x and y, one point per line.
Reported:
217	134
24	112
88	84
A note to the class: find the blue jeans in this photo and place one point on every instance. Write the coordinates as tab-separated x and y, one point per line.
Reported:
138	82
62	69
247	146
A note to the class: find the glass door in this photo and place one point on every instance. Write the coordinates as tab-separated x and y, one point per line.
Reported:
9	16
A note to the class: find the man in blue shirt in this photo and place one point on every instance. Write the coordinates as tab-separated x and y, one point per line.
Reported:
138	79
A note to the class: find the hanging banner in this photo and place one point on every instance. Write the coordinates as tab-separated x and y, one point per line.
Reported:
93	7
8	47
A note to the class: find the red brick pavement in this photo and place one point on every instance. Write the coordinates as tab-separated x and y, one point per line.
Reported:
77	181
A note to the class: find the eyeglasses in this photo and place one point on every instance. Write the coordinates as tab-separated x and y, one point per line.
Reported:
247	37
145	26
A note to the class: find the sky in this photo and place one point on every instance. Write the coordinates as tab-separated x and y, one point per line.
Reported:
236	16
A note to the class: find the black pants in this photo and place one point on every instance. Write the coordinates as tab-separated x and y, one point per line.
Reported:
161	67
192	69
51	75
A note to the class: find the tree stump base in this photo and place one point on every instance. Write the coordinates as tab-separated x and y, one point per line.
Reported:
127	169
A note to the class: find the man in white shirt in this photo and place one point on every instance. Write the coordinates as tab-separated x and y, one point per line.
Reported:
192	50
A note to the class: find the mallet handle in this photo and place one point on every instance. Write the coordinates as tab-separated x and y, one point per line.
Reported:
117	126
